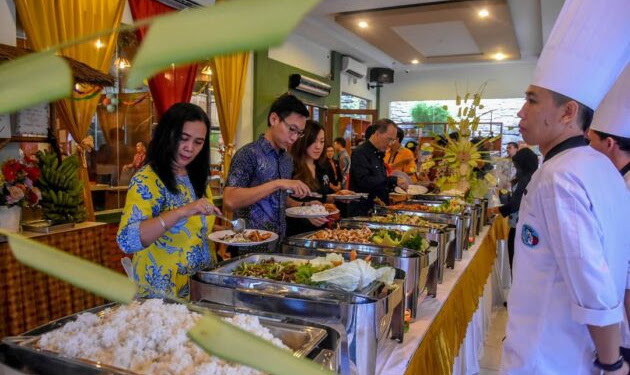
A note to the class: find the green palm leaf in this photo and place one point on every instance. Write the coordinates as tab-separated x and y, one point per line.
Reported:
228	27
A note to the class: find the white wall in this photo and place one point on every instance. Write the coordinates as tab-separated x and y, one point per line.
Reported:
7	22
303	54
245	126
358	87
504	80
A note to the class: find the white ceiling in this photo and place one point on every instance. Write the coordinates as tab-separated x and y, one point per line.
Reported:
439	38
532	20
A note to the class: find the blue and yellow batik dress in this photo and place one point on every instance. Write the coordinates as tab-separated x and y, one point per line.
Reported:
181	251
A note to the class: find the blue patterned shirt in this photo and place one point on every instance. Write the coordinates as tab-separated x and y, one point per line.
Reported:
255	164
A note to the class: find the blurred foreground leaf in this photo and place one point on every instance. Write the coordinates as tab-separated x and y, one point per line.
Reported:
32	79
71	269
227	27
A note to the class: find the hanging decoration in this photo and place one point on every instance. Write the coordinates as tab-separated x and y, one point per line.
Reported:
459	159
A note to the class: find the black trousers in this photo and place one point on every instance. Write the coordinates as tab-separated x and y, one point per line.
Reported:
511	237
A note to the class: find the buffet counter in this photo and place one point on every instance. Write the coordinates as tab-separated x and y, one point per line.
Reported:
432	344
30	298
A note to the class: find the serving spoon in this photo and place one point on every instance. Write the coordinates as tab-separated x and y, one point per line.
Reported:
238	225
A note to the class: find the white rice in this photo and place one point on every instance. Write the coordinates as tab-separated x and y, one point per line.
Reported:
147	338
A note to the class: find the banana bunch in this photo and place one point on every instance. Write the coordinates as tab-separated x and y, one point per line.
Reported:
62	191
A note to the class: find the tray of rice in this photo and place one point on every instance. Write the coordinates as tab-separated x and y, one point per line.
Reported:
146	337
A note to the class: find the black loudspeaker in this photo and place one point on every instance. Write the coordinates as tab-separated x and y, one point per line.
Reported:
382	75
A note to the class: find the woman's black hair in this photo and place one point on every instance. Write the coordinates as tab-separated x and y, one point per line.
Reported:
525	161
298	152
165	142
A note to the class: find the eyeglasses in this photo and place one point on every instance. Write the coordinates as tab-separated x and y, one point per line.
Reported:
293	130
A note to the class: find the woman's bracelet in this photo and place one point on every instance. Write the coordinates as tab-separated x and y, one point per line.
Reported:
162	222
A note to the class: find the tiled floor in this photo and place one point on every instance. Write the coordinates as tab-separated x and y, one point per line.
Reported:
491	360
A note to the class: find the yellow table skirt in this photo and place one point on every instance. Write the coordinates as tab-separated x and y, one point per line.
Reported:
442	341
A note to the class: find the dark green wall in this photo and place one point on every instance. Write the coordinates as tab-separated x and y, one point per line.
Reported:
271	79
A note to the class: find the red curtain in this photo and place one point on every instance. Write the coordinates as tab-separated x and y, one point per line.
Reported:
173	85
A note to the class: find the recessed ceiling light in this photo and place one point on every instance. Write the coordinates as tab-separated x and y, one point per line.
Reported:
499	56
483	13
415	61
99	44
363	24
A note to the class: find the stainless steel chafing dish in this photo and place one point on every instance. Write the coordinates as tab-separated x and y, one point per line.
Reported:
481	203
366	318
443	236
469	209
460	221
315	341
414	264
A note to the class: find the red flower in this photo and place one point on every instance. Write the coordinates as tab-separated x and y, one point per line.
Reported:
10	169
32	173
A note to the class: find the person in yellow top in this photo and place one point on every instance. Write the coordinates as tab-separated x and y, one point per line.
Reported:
400	158
168	212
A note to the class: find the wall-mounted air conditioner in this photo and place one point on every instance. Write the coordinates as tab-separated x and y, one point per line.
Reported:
309	85
352	67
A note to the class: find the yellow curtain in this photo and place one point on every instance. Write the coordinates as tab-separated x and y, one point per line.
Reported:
50	22
229	74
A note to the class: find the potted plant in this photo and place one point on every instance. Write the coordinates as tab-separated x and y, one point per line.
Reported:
17	190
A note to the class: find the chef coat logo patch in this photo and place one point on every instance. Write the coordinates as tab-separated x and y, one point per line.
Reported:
529	236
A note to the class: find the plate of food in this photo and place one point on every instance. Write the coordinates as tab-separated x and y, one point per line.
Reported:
347	195
248	237
411	190
316	210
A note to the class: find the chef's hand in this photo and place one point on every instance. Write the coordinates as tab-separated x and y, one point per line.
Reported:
318	221
402	183
624	370
298	188
200	207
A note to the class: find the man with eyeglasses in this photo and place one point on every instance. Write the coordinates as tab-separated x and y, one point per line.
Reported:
367	171
259	179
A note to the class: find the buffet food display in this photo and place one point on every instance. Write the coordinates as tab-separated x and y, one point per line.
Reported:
149	337
366	316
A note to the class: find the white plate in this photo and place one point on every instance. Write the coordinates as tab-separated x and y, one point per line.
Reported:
347	197
417	189
297	213
217	237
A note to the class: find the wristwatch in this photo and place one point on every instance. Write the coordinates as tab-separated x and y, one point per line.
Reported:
609	367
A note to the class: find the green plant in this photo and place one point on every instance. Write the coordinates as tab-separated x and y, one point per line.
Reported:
62	191
423	112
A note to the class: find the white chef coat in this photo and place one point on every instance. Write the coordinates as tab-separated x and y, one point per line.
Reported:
626	178
570	264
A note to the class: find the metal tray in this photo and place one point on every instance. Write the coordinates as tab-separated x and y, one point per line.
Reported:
469	208
413	263
44	226
223	274
443	237
461	222
22	351
364	321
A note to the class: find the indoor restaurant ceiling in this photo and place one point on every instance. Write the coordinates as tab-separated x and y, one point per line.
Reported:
404	34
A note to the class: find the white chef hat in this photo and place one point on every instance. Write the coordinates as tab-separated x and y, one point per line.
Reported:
613	114
588	47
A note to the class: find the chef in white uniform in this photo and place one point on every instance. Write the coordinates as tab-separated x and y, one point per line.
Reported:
572	246
610	131
610	135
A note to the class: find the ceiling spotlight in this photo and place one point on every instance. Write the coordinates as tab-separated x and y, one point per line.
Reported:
415	61
363	24
499	56
483	13
99	44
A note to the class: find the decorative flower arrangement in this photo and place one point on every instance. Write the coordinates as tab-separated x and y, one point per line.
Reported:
457	156
17	183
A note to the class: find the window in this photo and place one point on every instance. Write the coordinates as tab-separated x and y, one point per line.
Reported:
349	101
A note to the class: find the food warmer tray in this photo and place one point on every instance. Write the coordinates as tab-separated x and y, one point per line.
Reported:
312	340
482	203
443	237
469	209
365	320
411	262
460	222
